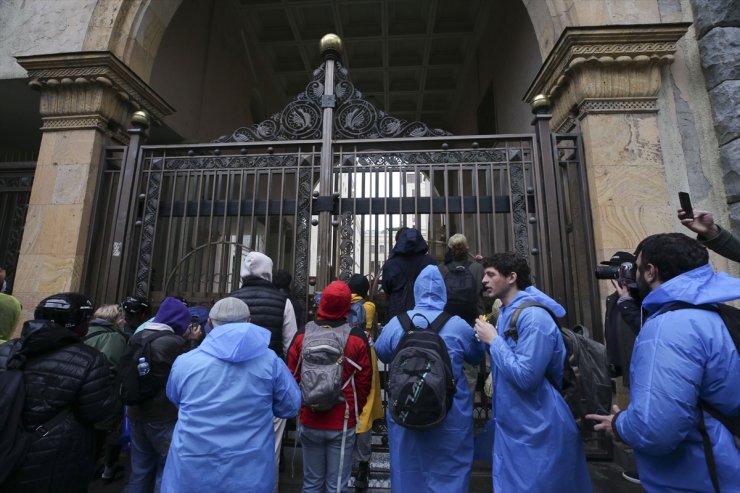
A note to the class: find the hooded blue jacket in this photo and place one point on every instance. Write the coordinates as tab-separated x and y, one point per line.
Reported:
679	358
227	391
437	460
538	446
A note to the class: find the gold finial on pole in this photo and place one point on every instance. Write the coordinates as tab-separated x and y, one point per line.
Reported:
331	45
140	119
540	104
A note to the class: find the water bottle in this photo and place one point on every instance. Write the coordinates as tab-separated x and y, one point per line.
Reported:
143	366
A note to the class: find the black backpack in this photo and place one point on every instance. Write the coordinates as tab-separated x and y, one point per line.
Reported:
421	386
15	440
731	318
134	388
587	384
462	292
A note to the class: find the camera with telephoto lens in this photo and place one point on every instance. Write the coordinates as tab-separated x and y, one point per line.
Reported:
623	273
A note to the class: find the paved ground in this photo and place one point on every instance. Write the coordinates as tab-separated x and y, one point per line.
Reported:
606	477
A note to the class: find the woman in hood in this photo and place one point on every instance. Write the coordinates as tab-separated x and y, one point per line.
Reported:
438	459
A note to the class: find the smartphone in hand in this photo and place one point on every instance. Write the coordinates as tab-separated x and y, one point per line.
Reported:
685	200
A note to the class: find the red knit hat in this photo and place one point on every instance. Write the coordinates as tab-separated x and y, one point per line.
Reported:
335	301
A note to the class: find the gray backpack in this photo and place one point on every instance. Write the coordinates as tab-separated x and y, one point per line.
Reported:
322	366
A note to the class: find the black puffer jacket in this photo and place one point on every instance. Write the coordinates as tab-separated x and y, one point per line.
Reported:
60	372
266	307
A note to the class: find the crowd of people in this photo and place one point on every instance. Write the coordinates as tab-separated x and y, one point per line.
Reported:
202	393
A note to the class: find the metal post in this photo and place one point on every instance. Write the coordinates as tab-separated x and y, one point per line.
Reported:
331	48
550	214
124	213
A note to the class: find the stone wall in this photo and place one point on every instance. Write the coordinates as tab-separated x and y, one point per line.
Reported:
717	29
32	28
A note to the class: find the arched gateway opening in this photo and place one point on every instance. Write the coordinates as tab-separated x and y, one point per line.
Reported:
322	187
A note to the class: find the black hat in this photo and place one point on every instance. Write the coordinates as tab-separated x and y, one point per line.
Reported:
66	309
135	304
619	258
359	284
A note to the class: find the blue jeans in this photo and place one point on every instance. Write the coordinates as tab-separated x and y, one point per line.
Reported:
321	455
150	443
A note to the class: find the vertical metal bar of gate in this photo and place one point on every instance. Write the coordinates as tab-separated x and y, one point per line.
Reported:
325	167
550	225
125	209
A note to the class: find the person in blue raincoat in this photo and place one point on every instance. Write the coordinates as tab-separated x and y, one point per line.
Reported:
440	459
227	391
537	446
681	357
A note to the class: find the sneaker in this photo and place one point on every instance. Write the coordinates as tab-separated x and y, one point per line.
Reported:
631	476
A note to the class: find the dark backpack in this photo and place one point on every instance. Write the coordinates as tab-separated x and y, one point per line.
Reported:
462	292
587	385
731	318
421	385
15	440
357	317
134	388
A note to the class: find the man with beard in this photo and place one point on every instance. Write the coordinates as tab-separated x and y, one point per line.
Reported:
684	361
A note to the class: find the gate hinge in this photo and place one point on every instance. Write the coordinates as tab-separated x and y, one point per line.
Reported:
328	101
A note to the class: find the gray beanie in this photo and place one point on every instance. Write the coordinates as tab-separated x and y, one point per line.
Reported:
257	264
229	310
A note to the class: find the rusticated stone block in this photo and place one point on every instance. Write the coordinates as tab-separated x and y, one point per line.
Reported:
720	49
735	219
725	101
730	158
714	13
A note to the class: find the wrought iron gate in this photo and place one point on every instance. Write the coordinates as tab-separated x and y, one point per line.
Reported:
16	179
322	187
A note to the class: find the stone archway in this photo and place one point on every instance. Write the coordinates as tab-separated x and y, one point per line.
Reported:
130	30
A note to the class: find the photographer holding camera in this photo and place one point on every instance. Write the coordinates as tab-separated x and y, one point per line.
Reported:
622	323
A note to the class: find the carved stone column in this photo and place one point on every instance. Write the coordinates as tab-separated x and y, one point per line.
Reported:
87	100
607	80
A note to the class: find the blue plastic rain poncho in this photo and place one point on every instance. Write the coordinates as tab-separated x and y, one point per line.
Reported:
537	446
540	297
227	391
440	459
680	357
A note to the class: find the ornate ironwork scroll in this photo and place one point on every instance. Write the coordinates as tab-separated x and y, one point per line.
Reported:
146	245
411	159
303	225
355	116
519	210
347	246
233	162
299	120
